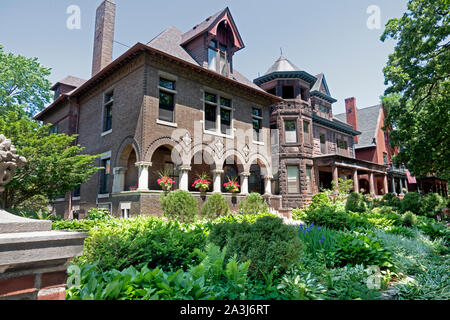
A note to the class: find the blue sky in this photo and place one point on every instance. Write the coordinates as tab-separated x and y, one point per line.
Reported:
326	36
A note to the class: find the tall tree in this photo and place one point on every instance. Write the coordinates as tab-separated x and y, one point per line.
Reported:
54	165
418	96
24	86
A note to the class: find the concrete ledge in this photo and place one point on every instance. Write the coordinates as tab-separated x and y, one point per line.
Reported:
10	223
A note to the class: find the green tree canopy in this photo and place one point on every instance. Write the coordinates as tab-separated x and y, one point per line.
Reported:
417	99
24	87
54	165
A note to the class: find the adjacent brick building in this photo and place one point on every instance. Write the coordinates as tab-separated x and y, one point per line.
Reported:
374	145
313	148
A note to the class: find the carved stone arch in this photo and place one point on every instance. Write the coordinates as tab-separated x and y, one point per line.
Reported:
240	159
262	162
126	146
211	157
163	142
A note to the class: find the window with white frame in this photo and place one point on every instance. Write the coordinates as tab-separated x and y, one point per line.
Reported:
218	114
257	118
105	176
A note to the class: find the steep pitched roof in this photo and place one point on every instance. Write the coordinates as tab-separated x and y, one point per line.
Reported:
318	85
70	81
169	41
367	124
202	27
282	65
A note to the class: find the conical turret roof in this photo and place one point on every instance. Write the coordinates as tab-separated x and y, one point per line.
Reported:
282	65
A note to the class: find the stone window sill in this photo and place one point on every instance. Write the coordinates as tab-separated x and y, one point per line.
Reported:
166	123
106	133
103	196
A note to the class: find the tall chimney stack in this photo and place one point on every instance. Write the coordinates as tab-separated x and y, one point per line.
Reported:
104	36
352	114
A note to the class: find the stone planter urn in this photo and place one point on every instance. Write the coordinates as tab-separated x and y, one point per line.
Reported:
33	258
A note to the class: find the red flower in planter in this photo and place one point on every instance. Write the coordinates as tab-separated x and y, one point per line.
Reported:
232	186
165	182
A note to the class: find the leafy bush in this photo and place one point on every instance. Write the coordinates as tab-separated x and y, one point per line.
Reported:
355	203
249	218
84	224
400	230
301	287
179	205
99	214
409	219
431	203
318	200
432	283
357	248
411	202
143	241
318	239
216	206
214	278
433	229
390	200
254	204
268	243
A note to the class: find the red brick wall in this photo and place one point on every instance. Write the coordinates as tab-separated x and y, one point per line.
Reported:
40	286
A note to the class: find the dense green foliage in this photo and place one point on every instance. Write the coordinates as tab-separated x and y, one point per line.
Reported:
409	219
355	203
254	204
215	206
268	243
141	242
419	87
179	205
411	202
24	87
54	165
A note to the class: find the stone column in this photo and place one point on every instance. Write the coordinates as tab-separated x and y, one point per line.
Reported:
355	181
401	186
143	175
393	186
184	178
335	175
268	185
119	179
385	183
406	185
371	183
244	183
217	180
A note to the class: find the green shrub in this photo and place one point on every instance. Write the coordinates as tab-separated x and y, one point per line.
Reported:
216	206
298	214
319	241
433	229
431	203
249	218
412	201
99	214
84	224
268	244
355	203
400	230
391	200
143	241
409	219
318	200
214	278
179	205
357	248
254	204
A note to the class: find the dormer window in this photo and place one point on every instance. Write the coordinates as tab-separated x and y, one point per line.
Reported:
218	57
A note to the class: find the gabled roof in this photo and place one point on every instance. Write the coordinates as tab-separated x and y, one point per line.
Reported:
208	24
169	41
367	124
320	89
237	80
70	81
282	65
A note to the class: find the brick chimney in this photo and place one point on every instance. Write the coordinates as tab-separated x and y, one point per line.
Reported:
104	36
352	114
